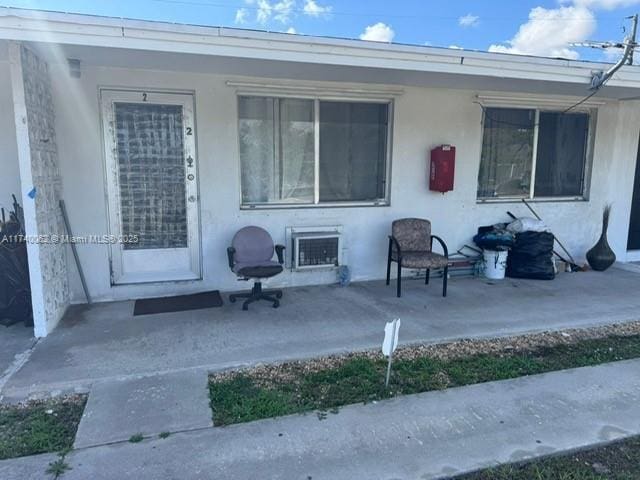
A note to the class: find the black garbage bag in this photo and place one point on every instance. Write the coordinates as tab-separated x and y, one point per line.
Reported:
15	292
531	256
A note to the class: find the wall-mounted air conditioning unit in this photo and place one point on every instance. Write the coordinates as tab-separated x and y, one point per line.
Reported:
314	247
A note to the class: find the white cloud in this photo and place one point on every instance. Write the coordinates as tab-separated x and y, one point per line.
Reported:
241	16
469	20
378	32
264	11
602	4
312	9
612	54
549	32
455	47
291	30
280	11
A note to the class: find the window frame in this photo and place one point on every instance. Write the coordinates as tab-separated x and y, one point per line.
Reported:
588	157
382	202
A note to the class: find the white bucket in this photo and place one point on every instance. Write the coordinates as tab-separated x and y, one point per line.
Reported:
495	264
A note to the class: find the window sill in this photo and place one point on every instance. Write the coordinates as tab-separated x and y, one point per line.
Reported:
379	203
532	200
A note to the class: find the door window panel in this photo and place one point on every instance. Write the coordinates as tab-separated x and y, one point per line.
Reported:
150	155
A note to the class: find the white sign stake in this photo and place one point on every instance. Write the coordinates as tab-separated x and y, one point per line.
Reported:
390	343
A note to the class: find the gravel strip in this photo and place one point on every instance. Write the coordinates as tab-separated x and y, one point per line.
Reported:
265	374
77	399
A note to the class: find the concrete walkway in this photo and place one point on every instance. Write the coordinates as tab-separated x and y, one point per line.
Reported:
118	409
424	436
107	343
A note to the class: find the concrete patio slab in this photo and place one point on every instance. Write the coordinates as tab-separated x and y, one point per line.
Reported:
105	341
422	436
118	409
16	342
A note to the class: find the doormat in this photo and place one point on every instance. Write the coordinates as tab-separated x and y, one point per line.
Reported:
196	301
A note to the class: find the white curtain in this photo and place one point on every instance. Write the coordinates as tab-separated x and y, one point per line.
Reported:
297	152
257	154
276	150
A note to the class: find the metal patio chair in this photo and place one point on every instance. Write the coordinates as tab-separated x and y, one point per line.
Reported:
411	246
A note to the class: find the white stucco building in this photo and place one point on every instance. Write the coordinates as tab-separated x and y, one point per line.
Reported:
288	132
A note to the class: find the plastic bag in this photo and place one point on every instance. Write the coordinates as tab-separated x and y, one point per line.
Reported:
15	291
527	224
494	237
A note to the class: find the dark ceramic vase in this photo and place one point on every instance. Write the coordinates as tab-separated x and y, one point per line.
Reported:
601	257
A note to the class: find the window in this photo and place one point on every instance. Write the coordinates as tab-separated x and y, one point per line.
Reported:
276	150
529	153
353	151
297	151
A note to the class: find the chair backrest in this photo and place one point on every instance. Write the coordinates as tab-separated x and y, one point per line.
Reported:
253	245
413	234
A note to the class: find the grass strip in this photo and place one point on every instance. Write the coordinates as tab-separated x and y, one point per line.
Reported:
39	426
295	388
617	461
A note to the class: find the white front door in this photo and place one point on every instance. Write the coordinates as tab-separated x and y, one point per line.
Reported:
152	186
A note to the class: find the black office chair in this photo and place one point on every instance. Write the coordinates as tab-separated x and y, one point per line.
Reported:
251	257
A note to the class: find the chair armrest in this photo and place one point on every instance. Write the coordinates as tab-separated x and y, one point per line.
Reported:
280	253
230	254
394	241
442	244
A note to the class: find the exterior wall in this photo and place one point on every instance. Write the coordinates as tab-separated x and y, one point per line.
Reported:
38	159
618	175
424	118
9	172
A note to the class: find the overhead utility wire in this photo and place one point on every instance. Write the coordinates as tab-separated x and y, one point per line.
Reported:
598	80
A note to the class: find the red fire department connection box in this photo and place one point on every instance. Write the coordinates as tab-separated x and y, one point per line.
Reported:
443	163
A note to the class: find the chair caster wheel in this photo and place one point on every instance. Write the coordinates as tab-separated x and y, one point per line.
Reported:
279	295
232	299
276	304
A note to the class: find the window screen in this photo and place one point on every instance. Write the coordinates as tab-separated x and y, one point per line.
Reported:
507	147
353	150
507	159
562	146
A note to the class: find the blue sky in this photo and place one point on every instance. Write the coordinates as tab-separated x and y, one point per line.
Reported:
535	27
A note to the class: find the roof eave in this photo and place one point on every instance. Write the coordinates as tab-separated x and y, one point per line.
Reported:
88	30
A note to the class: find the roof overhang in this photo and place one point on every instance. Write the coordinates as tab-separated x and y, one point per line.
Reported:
82	31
